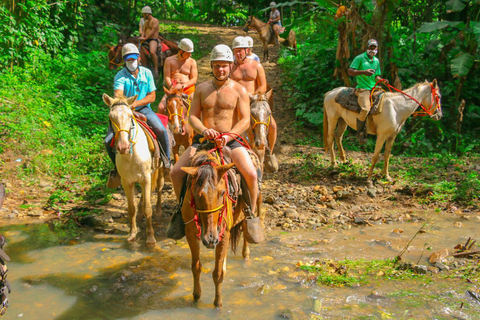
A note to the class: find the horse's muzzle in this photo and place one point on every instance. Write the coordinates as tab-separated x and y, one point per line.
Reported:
123	147
245	29
209	241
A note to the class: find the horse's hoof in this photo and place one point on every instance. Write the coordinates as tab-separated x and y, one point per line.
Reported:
132	237
218	304
370	183
151	245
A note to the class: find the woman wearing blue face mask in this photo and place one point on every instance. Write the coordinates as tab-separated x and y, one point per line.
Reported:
130	81
366	68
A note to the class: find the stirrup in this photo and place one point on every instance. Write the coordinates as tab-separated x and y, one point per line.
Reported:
271	163
176	226
114	181
254	232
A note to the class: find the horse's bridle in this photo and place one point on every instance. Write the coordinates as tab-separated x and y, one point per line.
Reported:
256	122
116	64
132	131
180	115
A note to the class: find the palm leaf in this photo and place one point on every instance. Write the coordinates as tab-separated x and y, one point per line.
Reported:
437	25
456	5
462	64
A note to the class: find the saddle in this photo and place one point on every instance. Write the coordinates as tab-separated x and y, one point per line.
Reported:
153	145
348	100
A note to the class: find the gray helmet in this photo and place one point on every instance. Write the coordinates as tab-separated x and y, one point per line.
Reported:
146	9
372	42
221	52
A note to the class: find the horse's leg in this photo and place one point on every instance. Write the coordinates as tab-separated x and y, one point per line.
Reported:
387	152
194	244
130	193
246	248
175	151
220	268
342	126
330	134
160	183
147	210
378	147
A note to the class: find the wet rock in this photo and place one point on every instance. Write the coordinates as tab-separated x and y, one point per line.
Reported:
457	224
116	215
91	221
35	213
372	192
317	305
433	270
419	269
342	194
335	214
284	314
441	266
438	256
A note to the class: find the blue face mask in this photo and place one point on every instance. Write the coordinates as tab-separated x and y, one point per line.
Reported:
132	65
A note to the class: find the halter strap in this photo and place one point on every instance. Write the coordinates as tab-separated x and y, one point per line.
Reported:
259	122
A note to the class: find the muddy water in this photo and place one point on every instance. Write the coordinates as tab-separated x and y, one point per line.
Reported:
102	277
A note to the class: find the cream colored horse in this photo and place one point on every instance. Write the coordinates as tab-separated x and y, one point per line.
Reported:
386	125
134	163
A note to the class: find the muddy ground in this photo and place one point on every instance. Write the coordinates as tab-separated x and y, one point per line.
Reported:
296	197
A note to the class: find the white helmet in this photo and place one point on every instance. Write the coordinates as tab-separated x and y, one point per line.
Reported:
249	41
221	52
146	9
272	4
186	45
129	48
239	42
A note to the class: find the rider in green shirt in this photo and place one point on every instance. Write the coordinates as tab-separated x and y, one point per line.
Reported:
366	68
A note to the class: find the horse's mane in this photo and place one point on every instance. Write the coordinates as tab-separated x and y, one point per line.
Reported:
205	173
415	86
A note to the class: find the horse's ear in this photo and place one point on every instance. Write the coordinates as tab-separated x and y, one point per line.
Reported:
252	97
224	168
190	170
434	83
107	99
269	94
166	90
131	100
109	47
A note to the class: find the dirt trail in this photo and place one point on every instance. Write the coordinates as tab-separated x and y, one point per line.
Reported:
296	197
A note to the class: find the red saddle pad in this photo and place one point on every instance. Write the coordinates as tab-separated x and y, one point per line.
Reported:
163	118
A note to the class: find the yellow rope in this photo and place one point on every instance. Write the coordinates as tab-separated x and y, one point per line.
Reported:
258	122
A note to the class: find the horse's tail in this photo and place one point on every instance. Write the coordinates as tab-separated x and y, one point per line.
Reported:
325	129
235	236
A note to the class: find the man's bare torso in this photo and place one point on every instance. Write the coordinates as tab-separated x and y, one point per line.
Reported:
149	24
246	74
180	70
219	107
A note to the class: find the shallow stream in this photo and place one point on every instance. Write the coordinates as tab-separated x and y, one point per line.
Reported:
101	276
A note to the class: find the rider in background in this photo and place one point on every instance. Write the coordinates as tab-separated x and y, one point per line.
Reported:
250	74
275	20
150	36
250	54
141	28
366	68
130	81
180	71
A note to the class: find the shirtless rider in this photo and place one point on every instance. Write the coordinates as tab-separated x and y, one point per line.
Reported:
180	71
220	105
150	36
250	74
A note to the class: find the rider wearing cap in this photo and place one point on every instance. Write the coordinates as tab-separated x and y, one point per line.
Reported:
250	74
220	105
130	81
150	36
275	20
180	71
250	54
366	68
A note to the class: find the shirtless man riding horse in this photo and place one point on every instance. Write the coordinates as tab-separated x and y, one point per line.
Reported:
180	71
250	74
151	29
220	106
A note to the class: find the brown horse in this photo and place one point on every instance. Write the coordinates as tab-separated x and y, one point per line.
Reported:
268	36
115	52
178	120
210	217
260	117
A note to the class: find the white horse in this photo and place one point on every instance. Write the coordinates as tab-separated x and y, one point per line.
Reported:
386	125
260	118
134	163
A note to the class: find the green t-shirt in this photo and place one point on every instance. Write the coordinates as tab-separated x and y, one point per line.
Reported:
363	62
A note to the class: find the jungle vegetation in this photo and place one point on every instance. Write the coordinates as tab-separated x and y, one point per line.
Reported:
53	69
